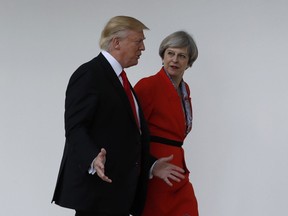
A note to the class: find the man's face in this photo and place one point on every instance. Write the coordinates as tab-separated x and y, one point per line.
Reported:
131	48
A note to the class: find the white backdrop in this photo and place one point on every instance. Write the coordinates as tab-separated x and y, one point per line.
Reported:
237	151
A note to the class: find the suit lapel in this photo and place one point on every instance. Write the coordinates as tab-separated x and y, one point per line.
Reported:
173	100
111	75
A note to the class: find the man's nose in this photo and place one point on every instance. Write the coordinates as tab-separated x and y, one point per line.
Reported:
142	46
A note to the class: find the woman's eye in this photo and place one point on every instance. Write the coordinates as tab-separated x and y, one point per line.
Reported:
170	53
182	56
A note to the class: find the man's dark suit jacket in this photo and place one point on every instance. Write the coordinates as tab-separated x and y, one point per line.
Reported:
98	115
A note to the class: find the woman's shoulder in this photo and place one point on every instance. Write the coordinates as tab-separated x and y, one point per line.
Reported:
150	81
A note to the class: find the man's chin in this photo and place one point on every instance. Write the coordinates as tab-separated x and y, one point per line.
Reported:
132	64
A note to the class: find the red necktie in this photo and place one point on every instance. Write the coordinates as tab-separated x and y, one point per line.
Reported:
128	91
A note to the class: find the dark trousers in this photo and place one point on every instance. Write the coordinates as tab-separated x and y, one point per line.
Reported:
81	213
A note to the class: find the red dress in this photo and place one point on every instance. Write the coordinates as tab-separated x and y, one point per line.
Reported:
166	119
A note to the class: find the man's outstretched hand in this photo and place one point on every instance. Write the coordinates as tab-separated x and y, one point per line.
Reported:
99	165
167	171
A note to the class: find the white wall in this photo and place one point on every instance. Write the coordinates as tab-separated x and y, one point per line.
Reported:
237	152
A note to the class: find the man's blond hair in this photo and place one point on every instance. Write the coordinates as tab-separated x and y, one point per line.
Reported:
117	27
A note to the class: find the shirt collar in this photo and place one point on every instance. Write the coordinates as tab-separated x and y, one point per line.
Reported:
113	62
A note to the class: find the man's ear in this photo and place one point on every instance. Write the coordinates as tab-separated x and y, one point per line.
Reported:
115	43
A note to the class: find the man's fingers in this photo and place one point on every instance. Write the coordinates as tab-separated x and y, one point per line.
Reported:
166	180
176	177
166	159
177	174
100	171
106	179
177	169
173	173
101	174
171	167
173	178
99	165
103	152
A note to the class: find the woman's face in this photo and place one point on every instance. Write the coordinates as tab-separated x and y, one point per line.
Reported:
175	62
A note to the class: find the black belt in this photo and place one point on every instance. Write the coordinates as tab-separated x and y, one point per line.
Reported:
166	141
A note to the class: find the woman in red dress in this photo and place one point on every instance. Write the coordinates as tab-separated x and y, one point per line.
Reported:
165	99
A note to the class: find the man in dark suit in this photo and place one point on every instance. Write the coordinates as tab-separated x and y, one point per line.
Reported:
106	163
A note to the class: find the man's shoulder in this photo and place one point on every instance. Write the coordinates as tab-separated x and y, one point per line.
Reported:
88	68
94	62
